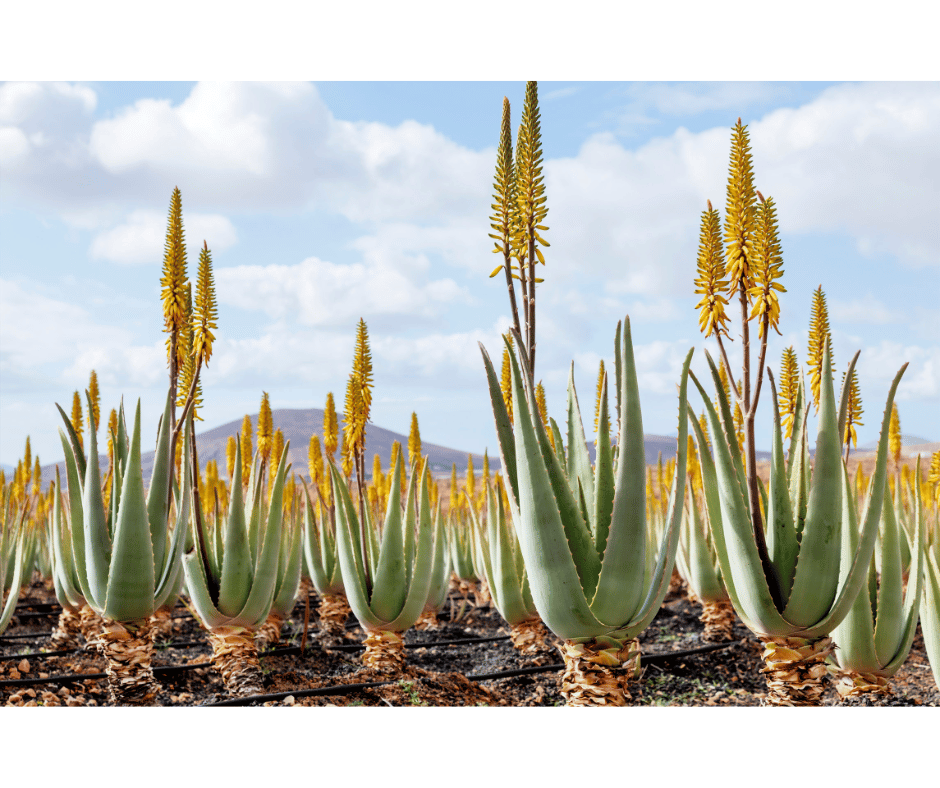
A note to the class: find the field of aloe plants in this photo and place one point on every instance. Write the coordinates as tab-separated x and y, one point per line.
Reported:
574	575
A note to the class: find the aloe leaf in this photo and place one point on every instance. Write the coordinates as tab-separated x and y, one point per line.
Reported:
553	575
930	613
817	570
733	532
799	486
97	539
618	374
198	590
158	496
855	634
172	565
658	584
289	579
76	519
620	587
440	572
604	481
579	461
410	523
261	596
235	579
888	624
15	582
131	581
504	428
312	550
703	578
350	553
512	603
63	570
78	452
794	450
851	583
727	422
559	442
390	584
423	560
782	544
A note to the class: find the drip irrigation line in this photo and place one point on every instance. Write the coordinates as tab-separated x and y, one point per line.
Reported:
37	614
361	646
345	689
26	637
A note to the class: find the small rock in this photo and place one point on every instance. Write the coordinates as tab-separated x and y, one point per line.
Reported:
31	692
92	702
73	701
290	701
184	697
15	700
49	699
23	667
43	675
30	703
14	673
64	692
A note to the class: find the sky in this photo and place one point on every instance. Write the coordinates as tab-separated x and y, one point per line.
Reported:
324	202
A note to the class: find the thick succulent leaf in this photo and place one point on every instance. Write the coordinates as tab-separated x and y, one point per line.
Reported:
727	421
855	635
851	583
97	539
390	586
507	578
704	578
6	610
199	597
799	483
76	518
423	560
579	461
158	496
618	374
236	576
77	452
504	429
817	570
171	578
782	544
289	577
553	575
261	596
794	449
65	576
734	535
131	582
888	625
621	586
409	522
350	552
657	584
559	442
604	478
930	613
440	571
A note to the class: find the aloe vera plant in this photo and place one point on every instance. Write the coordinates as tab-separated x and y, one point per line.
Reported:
440	576
13	550
232	580
874	639
387	584
802	559
582	531
125	564
930	602
288	580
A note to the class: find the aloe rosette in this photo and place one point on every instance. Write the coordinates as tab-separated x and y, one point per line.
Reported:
126	565
875	638
68	630
322	564
502	565
232	580
440	576
387	583
793	594
582	531
288	582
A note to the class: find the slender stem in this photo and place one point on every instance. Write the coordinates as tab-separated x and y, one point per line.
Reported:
724	356
531	323
507	267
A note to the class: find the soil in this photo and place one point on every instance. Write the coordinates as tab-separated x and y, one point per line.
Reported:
435	674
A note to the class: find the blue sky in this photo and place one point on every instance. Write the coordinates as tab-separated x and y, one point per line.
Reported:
324	202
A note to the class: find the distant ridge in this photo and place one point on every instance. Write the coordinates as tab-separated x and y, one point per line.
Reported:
299	424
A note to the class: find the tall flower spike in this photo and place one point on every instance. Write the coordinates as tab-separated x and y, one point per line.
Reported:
454	495
247	451
854	411
471	478
231	446
173	284
352	408
819	337
265	427
315	460
505	383
27	459
767	269
789	386
414	441
330	427
894	436
740	211
543	411
206	310
711	283
188	369
95	396
78	422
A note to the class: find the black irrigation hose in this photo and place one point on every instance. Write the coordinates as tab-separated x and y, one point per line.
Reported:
361	646
35	635
346	689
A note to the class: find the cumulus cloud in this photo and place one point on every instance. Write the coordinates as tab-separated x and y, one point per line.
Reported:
320	293
140	239
878	365
863	310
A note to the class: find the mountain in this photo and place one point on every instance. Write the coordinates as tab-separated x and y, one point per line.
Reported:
298	425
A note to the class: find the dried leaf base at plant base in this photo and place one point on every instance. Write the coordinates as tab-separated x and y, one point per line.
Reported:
333	610
385	652
718	618
235	656
427	620
529	637
162	621
68	632
90	623
597	674
128	649
850	684
269	633
796	670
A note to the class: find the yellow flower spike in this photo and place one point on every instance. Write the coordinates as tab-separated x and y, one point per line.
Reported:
173	285
505	382
330	427
231	445
819	337
315	461
190	363
710	283
543	412
471	479
95	396
206	309
853	412
265	427
789	386
414	441
78	422
894	437
740	212
454	495
768	267
246	449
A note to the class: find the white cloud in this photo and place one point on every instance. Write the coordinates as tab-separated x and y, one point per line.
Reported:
140	239
320	293
878	365
863	310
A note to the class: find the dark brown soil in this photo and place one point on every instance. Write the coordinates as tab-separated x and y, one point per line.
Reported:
436	675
